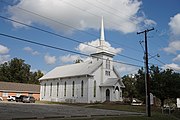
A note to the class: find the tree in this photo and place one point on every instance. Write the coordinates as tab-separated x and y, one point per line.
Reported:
165	84
130	89
16	70
34	77
140	84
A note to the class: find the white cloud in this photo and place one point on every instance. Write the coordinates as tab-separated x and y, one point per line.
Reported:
50	59
124	69
69	58
30	50
172	66
149	22
175	24
72	58
35	70
120	15
3	54
4	58
3	49
92	47
177	58
173	47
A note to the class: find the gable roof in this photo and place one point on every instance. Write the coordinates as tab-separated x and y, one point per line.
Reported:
19	87
111	82
78	69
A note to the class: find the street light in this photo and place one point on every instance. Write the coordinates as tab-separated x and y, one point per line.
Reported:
157	55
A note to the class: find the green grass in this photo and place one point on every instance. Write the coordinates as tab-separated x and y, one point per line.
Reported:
119	107
155	111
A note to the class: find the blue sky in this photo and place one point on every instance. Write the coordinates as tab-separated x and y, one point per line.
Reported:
80	20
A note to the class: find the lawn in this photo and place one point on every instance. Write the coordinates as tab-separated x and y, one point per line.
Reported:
155	112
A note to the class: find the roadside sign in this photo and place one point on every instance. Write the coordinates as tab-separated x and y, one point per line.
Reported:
178	102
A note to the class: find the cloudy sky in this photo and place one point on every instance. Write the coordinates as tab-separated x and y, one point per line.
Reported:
74	25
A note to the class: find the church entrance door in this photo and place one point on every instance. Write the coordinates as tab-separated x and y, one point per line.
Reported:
108	95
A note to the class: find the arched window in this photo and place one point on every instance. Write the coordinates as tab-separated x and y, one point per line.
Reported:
44	89
82	87
94	88
65	89
107	63
51	89
57	89
73	89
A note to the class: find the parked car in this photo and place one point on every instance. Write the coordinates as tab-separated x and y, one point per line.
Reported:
11	98
1	99
20	98
136	102
28	99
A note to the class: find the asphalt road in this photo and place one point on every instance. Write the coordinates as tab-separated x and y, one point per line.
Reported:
14	111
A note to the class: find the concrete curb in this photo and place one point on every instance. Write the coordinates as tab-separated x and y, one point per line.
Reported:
77	116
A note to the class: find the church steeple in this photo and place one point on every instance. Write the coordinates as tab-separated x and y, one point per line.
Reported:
102	49
102	37
102	30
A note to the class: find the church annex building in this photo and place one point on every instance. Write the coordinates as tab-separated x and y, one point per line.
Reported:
96	80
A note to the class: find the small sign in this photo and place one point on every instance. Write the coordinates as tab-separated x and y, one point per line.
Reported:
151	99
178	102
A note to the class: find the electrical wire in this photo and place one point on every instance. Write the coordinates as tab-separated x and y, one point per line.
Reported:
44	17
62	49
67	38
104	10
73	28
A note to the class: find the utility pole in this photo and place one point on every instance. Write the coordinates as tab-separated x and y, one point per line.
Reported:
148	105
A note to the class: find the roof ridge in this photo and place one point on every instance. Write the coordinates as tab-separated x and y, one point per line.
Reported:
18	83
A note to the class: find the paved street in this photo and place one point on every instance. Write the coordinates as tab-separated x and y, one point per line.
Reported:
13	110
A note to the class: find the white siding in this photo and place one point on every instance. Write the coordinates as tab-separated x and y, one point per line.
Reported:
68	98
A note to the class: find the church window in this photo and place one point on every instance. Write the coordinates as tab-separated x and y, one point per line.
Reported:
107	63
107	73
120	94
65	89
73	89
57	89
82	87
44	89
51	89
94	88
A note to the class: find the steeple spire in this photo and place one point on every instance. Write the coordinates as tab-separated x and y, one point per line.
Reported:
102	48
102	30
102	38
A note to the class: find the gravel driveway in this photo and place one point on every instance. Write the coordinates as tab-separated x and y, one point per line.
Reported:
13	110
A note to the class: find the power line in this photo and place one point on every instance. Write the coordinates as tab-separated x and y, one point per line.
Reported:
111	13
66	38
166	65
44	17
25	10
90	13
115	9
62	49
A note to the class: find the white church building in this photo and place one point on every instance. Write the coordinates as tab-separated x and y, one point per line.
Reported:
96	80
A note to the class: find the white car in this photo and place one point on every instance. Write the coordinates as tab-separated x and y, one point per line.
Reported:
11	98
136	102
1	99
